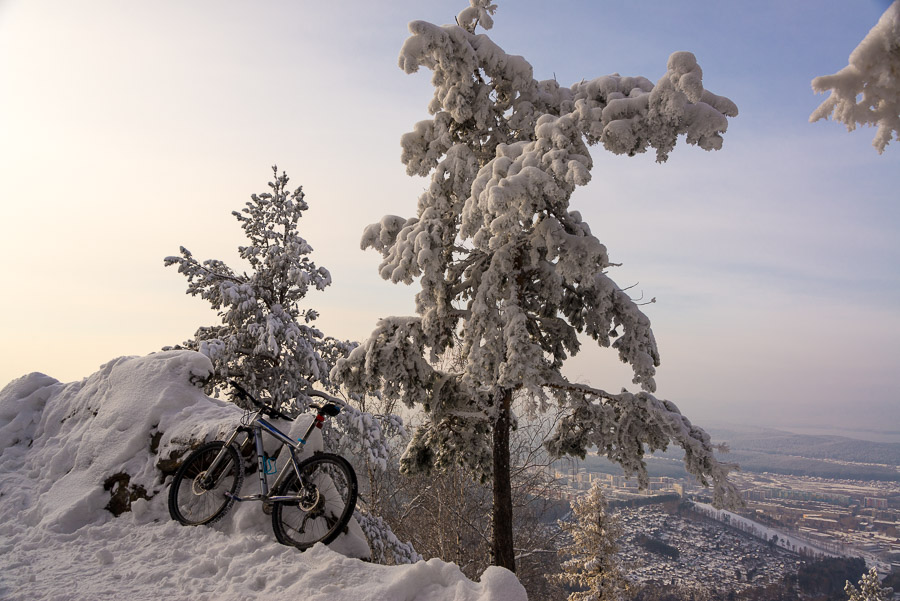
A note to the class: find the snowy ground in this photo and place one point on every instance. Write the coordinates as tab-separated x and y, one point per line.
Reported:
59	443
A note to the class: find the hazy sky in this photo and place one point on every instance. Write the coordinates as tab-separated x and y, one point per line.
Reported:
128	129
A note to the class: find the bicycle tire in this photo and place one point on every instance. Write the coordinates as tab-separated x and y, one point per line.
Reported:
327	506
193	505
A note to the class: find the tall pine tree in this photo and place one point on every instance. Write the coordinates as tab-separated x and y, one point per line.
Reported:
509	273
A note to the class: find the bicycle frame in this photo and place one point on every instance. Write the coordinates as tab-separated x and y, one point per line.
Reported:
255	429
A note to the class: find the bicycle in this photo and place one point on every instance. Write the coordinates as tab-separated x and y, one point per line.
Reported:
311	501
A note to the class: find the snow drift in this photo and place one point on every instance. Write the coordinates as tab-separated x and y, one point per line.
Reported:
73	455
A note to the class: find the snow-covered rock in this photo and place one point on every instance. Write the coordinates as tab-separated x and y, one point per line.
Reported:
70	452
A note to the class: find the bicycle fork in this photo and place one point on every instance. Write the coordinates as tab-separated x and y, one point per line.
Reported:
208	481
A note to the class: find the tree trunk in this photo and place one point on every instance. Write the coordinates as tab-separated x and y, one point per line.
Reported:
502	540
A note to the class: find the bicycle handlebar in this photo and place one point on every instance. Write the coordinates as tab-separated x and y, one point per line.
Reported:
270	411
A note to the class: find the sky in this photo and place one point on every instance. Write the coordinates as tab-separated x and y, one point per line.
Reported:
130	129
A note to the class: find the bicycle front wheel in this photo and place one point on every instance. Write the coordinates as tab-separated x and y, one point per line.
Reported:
199	497
325	499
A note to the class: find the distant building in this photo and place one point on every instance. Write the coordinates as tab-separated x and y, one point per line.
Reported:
875	503
805	495
818	522
756	494
888	528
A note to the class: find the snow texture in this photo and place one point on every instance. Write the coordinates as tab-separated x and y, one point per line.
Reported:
867	90
61	443
510	276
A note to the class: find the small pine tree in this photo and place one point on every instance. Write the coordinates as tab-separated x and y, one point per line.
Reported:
266	339
869	589
590	560
511	277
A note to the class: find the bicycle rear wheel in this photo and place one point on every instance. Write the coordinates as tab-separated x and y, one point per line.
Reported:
326	497
194	500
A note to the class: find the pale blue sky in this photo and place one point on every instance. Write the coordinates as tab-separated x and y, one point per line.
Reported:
128	129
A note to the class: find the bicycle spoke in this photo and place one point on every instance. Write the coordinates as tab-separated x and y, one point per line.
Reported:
326	501
192	503
321	493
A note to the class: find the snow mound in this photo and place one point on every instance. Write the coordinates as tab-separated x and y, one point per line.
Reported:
69	442
72	455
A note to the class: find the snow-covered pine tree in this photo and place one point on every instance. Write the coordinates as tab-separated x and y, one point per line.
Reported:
870	589
867	90
509	270
590	556
266	339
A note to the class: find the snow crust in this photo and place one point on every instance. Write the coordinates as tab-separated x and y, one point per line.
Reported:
60	443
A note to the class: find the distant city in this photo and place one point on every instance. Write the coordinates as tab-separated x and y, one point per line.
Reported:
673	534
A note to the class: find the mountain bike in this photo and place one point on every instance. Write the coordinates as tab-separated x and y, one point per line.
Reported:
311	500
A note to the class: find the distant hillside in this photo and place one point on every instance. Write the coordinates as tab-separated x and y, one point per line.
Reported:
779	442
780	452
754	461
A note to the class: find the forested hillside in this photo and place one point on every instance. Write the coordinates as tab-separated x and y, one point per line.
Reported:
839	448
781	452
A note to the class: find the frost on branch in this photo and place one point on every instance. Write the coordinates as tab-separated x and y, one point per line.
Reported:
511	278
867	90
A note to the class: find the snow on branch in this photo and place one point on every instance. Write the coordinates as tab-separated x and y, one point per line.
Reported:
620	426
391	361
478	13
867	90
629	114
605	308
